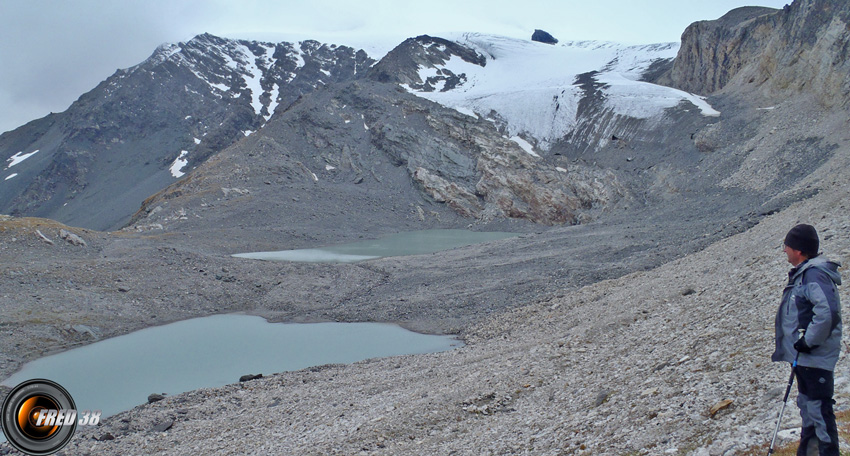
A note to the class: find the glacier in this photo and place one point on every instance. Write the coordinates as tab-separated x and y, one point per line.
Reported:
530	89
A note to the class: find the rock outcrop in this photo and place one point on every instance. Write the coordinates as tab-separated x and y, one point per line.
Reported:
801	48
543	36
712	52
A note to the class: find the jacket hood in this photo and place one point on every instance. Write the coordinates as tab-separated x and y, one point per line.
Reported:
827	266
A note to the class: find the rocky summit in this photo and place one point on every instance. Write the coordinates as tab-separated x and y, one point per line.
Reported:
651	188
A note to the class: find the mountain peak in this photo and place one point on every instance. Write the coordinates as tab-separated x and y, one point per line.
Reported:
160	119
401	65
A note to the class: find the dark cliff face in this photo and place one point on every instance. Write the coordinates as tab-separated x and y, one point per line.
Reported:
115	146
801	48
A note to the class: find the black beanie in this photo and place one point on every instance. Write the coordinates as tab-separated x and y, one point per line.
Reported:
803	238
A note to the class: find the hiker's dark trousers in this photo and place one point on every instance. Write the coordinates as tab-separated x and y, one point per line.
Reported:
815	388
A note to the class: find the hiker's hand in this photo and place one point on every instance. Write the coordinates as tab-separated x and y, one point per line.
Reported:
802	347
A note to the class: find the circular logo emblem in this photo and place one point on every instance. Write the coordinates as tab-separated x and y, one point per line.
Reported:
34	417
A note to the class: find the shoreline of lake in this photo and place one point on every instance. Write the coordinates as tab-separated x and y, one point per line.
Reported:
406	243
117	374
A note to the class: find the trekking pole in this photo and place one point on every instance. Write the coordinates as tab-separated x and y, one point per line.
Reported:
787	393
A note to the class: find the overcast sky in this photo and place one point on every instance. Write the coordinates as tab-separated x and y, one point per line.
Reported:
53	51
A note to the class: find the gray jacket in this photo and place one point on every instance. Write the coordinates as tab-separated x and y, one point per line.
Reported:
810	301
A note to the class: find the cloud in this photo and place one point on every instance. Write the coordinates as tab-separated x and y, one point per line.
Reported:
55	51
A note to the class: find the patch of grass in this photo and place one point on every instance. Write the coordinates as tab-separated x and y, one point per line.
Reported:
29	223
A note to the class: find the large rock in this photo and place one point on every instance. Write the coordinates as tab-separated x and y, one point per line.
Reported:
71	238
543	37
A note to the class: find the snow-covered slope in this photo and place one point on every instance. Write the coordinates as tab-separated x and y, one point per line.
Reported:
532	89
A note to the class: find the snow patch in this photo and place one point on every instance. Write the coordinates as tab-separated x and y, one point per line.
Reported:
274	102
425	73
239	59
251	74
700	103
179	163
163	53
218	86
465	111
197	141
299	58
11	176
643	100
525	145
19	157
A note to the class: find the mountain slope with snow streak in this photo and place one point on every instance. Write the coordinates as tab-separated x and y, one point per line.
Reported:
531	89
145	126
259	70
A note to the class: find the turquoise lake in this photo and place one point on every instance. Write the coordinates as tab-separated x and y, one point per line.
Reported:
401	244
119	373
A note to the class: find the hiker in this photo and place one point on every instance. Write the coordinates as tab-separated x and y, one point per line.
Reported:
810	302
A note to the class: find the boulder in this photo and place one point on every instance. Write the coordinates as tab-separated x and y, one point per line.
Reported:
543	37
71	238
163	426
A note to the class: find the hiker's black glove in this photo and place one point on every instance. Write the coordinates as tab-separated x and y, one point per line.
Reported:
802	347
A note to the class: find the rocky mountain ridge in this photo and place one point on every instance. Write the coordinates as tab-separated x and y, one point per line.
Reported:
129	138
